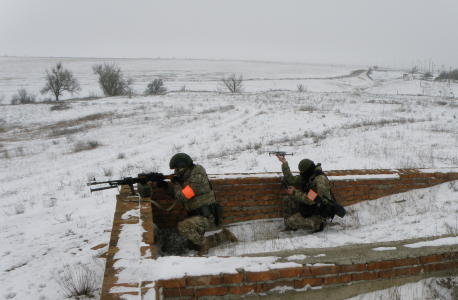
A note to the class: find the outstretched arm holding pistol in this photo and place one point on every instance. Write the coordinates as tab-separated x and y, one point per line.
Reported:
282	159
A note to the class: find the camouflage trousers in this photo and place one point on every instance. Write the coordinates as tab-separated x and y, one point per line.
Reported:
194	229
293	218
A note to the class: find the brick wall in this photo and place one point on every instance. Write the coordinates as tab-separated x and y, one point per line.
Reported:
258	196
302	277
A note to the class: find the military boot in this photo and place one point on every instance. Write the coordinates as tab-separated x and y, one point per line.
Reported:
229	236
204	248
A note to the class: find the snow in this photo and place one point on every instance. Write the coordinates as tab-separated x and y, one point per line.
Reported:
50	219
434	243
384	248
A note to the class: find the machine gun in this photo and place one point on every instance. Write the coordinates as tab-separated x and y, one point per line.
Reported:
141	180
281	153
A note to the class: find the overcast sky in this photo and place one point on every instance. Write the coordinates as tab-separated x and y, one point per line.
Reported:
394	32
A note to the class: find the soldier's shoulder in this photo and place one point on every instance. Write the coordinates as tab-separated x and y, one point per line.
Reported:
198	169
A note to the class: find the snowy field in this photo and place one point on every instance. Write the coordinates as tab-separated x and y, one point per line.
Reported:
49	218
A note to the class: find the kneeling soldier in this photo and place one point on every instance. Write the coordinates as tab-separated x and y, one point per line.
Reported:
307	209
193	189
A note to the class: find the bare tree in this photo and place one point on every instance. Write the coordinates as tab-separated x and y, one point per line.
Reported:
427	75
413	71
23	97
232	83
60	80
156	87
111	80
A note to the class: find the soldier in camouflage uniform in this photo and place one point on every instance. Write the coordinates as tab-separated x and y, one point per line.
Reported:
300	207
192	188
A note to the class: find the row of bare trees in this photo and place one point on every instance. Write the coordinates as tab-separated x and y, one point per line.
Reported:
111	80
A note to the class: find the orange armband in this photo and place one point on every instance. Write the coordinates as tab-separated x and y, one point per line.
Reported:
188	192
311	195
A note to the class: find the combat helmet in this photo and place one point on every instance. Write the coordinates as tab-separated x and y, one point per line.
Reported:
306	167
180	160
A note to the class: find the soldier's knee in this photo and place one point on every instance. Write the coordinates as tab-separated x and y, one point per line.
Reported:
290	223
181	226
286	200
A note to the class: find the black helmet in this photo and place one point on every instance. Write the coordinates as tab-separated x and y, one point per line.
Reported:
180	160
306	167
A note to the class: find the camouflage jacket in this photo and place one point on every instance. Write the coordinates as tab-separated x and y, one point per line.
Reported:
318	183
196	178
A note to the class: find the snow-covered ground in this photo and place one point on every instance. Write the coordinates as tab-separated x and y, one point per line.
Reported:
50	219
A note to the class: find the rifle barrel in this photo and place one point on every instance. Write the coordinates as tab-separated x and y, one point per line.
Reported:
104	188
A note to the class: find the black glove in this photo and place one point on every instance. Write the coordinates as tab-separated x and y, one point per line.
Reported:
162	184
175	179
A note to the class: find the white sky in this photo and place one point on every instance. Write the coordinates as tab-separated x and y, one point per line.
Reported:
330	31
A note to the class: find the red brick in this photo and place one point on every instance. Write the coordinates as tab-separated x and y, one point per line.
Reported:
364	276
267	203
233	181
322	270
431	259
440	267
232	278
373	266
250	193
337	279
229	193
261	276
387	264
173	283
243	289
249	180
298	284
391	273
353	268
222	188
258	186
214	291
440	175
178	292
268	286
233	213
294	272
450	255
216	182
240	187
406	262
416	270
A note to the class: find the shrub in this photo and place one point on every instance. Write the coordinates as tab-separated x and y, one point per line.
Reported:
85	145
76	281
60	106
301	88
155	87
446	75
111	80
23	97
